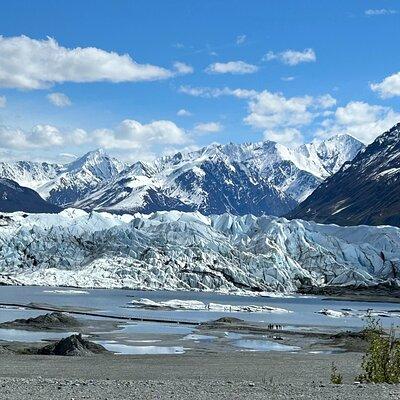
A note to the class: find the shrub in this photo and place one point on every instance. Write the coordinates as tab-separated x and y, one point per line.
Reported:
336	377
381	363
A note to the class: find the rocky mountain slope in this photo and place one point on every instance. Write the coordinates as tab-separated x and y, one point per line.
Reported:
365	190
257	178
14	197
63	185
30	174
186	251
80	177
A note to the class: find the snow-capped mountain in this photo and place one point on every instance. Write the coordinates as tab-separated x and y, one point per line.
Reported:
365	190
256	178
63	185
30	174
14	197
80	177
189	251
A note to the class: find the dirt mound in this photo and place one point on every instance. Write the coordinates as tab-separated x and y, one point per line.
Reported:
54	320
228	320
220	322
4	350
74	345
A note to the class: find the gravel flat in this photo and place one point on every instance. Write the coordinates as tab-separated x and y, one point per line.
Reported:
240	375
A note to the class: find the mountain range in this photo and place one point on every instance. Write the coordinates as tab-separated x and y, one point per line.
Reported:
366	190
251	178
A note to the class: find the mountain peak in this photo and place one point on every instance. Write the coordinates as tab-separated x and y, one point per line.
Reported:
94	156
365	190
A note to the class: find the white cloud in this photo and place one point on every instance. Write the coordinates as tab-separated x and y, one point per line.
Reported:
287	78
27	63
325	101
361	120
272	110
128	135
292	57
389	87
78	137
59	99
240	39
3	101
183	113
208	127
291	137
40	136
182	68
131	134
380	11
232	67
280	118
69	155
208	92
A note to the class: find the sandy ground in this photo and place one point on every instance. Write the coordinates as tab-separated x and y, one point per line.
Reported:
212	371
240	375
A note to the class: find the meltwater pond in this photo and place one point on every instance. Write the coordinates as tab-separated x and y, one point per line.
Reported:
303	311
118	348
263	345
19	335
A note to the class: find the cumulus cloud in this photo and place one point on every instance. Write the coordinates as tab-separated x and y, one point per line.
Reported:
40	136
208	127
281	118
3	101
240	39
361	120
389	87
292	57
183	68
325	101
27	63
291	137
131	134
183	113
208	92
232	67
59	99
273	110
380	11
128	135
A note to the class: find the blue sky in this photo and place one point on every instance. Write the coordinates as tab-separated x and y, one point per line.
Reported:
289	71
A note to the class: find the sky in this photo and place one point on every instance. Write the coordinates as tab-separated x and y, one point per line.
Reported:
143	79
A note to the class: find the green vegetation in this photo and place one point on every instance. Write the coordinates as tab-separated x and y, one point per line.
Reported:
381	363
336	377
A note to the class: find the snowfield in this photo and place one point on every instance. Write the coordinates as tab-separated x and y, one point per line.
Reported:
188	251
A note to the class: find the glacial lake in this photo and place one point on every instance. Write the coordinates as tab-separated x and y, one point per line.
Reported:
302	311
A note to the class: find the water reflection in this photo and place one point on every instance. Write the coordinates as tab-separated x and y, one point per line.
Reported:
263	345
19	335
126	349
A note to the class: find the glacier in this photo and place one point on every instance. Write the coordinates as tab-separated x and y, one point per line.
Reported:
176	250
